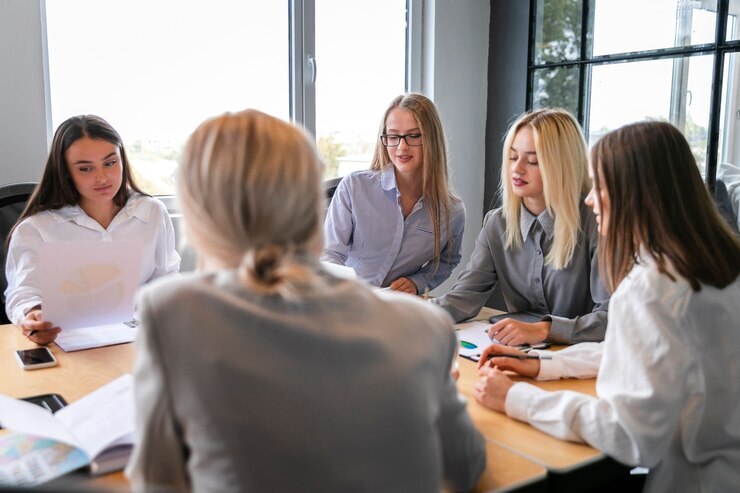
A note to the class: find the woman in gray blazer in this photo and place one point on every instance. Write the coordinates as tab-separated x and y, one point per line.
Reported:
263	372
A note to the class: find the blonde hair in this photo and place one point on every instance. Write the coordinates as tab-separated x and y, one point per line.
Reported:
436	189
562	158
250	188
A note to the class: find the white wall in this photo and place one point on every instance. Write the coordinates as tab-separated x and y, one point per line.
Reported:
455	77
24	130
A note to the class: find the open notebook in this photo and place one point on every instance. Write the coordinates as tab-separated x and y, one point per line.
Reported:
96	431
88	289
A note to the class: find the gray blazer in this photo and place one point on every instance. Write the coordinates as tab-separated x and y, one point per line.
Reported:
343	389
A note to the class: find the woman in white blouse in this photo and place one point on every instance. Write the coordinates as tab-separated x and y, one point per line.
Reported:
667	384
87	193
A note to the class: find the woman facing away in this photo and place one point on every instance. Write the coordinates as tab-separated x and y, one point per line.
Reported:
667	384
398	224
540	246
266	373
86	193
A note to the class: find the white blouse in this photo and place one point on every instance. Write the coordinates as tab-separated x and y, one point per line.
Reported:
667	385
143	218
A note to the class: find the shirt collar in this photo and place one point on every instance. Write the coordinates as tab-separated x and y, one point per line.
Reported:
136	206
527	220
388	178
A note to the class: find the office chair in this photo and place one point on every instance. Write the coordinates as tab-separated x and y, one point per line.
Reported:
13	200
330	186
724	204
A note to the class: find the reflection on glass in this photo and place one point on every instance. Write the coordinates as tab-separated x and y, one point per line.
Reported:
155	70
728	164
733	20
361	55
636	25
558	30
628	92
556	88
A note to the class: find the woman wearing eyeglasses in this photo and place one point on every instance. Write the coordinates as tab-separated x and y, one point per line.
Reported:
398	224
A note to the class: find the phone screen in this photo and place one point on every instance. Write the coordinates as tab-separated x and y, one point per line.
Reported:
37	356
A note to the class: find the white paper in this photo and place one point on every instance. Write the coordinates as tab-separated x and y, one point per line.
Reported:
473	338
92	337
18	415
340	271
101	417
85	284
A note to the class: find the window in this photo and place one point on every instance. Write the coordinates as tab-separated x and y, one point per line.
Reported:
612	63
155	70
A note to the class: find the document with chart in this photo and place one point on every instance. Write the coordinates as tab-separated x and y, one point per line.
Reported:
88	289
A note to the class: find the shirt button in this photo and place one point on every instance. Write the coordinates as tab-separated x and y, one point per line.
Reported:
536	281
539	252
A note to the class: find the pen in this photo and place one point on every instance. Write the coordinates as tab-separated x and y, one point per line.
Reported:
31	334
520	356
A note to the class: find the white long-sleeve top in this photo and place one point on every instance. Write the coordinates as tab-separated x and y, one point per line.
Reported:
668	385
143	219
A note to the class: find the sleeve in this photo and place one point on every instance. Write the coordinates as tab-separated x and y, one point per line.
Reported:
167	260
476	282
590	327
159	456
577	361
463	447
24	288
450	255
641	392
339	225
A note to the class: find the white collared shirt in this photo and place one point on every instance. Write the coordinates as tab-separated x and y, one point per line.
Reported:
667	384
143	218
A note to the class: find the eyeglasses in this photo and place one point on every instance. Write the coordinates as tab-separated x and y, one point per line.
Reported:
392	140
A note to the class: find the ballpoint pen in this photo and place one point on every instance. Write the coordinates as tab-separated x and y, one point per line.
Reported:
520	356
31	334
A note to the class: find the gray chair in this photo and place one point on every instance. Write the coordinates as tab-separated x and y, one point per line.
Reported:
724	204
13	200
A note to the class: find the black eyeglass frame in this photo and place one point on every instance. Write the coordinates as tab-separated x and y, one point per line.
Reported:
384	139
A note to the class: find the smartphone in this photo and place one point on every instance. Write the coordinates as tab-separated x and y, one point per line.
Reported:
33	359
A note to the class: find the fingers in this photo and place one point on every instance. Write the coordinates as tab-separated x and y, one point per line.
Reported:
514	333
404	285
35	329
45	337
496	349
491	389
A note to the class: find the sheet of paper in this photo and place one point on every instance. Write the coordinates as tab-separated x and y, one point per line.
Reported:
101	417
473	338
22	416
92	337
341	271
85	284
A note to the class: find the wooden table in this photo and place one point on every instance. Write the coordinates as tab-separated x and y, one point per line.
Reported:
571	466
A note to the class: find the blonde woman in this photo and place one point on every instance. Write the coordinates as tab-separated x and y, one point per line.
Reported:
265	373
398	224
540	246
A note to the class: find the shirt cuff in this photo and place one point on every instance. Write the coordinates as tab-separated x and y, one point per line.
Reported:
561	329
550	369
519	398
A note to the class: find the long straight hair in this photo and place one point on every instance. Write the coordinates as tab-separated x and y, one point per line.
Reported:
436	190
56	189
252	200
659	202
562	158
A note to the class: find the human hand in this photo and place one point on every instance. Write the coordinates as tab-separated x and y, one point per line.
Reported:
526	367
37	330
405	285
513	332
492	388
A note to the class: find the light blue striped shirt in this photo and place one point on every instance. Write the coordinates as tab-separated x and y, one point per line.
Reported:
365	230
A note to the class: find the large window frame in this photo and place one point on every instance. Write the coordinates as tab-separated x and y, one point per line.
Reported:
586	61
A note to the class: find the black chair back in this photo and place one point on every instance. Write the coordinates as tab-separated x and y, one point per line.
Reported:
13	200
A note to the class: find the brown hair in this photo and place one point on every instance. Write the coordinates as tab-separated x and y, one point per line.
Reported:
56	189
659	202
436	189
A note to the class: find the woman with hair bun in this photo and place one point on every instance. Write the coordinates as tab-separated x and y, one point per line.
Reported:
263	372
